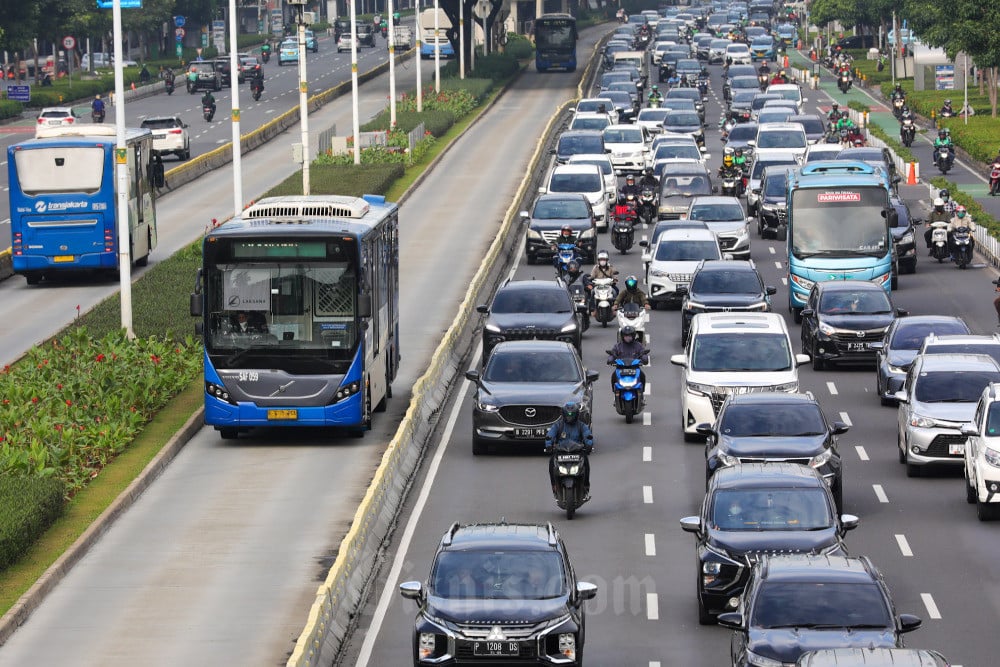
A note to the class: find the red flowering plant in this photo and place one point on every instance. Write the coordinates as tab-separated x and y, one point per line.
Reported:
71	406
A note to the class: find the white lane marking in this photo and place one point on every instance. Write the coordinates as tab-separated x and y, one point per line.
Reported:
654	664
770	249
932	609
777	265
647	495
784	281
880	493
647	454
648	389
904	546
647	419
650	544
653	607
832	387
862	454
847	420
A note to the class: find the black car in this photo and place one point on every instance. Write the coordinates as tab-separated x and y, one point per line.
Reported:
553	211
679	183
772	208
879	157
740	83
754	509
366	34
741	135
800	603
688	94
724	285
530	310
895	353
775	427
578	142
842	318
225	70
499	594
522	390
203	75
904	236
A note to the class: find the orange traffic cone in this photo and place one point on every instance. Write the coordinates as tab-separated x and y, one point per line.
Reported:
911	176
785	65
133	85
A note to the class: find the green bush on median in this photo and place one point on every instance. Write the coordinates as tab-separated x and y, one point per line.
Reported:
28	506
10	109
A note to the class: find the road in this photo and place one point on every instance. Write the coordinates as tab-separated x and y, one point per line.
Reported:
217	562
939	560
325	69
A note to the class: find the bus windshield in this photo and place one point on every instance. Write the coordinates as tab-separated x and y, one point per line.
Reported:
841	222
67	169
555	34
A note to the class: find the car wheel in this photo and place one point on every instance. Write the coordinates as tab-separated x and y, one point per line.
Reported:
913	470
970	491
531	259
985	511
479	447
900	447
910	267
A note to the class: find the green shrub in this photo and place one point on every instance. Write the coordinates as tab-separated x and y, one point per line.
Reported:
457	100
435	121
28	505
496	66
478	89
10	109
518	46
334	179
978	138
320	26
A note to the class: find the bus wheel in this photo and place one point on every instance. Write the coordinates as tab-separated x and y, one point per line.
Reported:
33	278
228	433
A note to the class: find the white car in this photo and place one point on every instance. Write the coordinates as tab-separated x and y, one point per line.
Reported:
56	117
780	141
628	147
673	259
651	119
592	104
739	52
104	60
822	151
789	91
603	162
170	135
585	178
344	42
589	120
725	217
733	353
982	455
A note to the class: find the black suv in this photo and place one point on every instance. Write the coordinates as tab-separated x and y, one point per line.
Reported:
500	594
797	603
775	427
772	212
206	77
723	285
225	70
530	310
551	212
904	236
755	509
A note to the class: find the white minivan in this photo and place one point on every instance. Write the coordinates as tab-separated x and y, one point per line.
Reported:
584	178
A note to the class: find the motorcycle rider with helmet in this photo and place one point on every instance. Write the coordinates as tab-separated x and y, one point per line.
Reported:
949	203
603	268
630	187
208	100
943	141
779	78
648	180
729	168
566	236
946	109
961	219
834	114
570	428
629	347
898	94
654	94
938	214
97	106
631	294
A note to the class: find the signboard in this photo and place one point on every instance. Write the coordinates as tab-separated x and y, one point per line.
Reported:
19	93
125	4
180	50
277	22
179	21
68	42
179	34
837	197
219	35
944	77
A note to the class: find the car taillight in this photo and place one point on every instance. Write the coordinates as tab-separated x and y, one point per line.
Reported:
176	131
40	120
69	120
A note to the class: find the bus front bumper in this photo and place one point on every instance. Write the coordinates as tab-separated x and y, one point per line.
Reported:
247	415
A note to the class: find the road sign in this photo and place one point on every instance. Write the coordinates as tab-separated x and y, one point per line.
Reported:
179	34
180	50
68	42
125	4
19	93
179	21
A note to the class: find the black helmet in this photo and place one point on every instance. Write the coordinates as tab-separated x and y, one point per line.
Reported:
571	412
944	194
630	177
621	199
631	283
628	330
573	267
648	171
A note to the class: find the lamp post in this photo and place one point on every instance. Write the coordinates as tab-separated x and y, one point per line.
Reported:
303	94
354	83
234	63
121	177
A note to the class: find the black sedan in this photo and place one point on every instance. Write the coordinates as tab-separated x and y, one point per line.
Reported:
842	319
530	310
522	390
895	353
904	236
754	509
553	211
775	427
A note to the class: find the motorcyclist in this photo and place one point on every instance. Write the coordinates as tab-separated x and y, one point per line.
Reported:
167	74
673	81
625	209
257	80
834	114
97	106
897	93
949	204
648	180
575	275
961	219
779	78
630	187
740	160
905	113
569	428
208	100
631	294
764	69
265	49
655	94
729	168
629	347
845	122
946	109
603	268
938	214
943	141
566	236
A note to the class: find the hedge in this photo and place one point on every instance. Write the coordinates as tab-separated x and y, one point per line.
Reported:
349	180
518	46
28	506
10	109
436	121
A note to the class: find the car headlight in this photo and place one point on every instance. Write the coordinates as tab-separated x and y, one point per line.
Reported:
698	388
694	306
826	329
787	386
659	273
567	645
568	327
572	470
587	233
484	405
906	238
804	283
922	422
426	645
728	460
991	456
532	234
492	328
821	459
761	660
763	305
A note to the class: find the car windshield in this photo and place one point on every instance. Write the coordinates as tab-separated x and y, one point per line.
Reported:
688	119
726	282
717	212
513	575
743	132
761	43
989	349
781	139
775	184
631	135
770	115
741	352
757	171
533	366
672	151
687	251
745	83
743	98
823	153
603	163
684	185
772	420
574	144
953	386
202	67
576	183
832	605
532	301
654	115
590	123
788	93
684	94
910	336
810	125
160	123
855	303
561	209
770	509
290	44
594	104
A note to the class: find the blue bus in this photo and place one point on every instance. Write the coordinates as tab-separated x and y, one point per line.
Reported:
63	201
299	300
838	227
555	42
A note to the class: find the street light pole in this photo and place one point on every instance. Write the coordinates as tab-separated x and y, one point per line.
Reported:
392	66
121	177
234	64
303	102
356	123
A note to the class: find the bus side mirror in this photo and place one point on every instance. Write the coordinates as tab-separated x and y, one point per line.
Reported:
365	305
196	305
157	176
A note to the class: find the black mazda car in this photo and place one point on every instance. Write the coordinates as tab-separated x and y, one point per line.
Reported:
530	310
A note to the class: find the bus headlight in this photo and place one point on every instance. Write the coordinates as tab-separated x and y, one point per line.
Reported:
346	391
219	392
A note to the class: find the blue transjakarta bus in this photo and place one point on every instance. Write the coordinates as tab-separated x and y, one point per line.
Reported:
555	42
838	227
299	300
63	200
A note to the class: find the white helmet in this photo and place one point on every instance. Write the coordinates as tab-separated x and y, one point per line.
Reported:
938	202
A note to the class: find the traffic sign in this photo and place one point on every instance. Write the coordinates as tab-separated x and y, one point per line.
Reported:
125	4
179	21
68	42
179	34
19	93
180	50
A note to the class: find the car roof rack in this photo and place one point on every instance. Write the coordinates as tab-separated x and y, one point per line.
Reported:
449	536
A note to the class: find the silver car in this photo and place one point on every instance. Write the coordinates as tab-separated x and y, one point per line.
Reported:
938	398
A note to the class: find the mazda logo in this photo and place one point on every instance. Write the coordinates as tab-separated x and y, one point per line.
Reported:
529	412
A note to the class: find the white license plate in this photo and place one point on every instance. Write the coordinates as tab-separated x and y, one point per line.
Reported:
530	432
956	450
858	347
502	648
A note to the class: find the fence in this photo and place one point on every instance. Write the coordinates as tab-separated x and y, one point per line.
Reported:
415	135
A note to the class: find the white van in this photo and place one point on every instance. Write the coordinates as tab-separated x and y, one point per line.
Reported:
584	178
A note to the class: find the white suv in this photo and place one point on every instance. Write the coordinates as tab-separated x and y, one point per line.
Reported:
982	455
780	141
740	54
585	178
673	260
733	353
170	135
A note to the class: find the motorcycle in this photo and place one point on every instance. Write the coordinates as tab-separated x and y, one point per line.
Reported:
265	56
97	116
208	112
635	316
603	296
897	106
844	82
566	253
763	80
730	186
654	102
623	231
703	87
256	89
581	301
943	158
994	179
647	206
568	469
961	237
945	112
907	132
939	241
169	85
629	387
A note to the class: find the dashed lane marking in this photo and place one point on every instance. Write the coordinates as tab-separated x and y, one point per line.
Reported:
770	249
777	265
904	546
647	495
846	419
832	387
932	609
647	419
862	454
880	493
650	544
653	607
647	454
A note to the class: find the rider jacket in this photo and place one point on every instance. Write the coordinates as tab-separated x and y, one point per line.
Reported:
631	296
627	190
563	432
730	172
633	350
648	182
599	271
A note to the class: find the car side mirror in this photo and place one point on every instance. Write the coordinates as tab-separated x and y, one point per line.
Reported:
524	215
969	430
691	524
679	360
808	312
909	622
801	359
902	312
704	429
472	376
877	345
542	190
412	590
585	591
839	428
482	308
848	522
644	244
770	290
592	376
901	396
732	620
